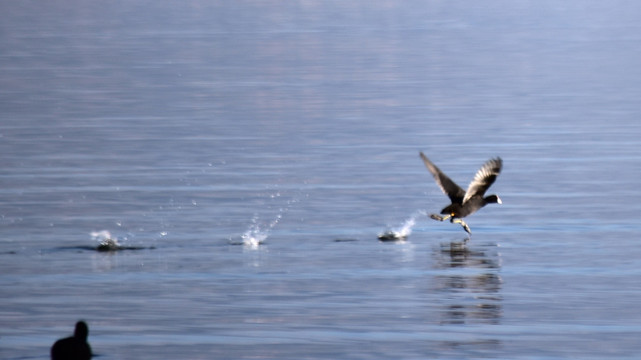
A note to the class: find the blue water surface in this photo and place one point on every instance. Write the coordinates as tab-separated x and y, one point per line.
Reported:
254	150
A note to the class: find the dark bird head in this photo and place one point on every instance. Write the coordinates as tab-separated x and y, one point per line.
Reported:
82	331
493	199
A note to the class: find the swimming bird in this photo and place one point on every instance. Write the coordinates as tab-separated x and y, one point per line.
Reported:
74	347
465	203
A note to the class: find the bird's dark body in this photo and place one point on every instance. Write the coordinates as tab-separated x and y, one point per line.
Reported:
74	347
458	211
70	349
472	205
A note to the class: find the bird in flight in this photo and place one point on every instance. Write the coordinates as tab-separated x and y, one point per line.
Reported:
465	203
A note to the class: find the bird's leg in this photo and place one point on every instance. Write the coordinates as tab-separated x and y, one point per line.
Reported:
463	224
439	217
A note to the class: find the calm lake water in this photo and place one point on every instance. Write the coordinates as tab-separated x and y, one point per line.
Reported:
196	129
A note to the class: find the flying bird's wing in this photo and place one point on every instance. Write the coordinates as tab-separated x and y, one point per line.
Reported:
449	187
484	178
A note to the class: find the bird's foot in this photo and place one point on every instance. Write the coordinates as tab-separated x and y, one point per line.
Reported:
439	217
467	229
463	224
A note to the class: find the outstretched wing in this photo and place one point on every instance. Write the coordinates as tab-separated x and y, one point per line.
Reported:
449	187
484	178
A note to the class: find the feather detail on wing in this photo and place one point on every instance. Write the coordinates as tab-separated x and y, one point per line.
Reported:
449	187
484	178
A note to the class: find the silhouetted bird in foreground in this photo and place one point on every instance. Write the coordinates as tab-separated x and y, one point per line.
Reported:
465	203
74	347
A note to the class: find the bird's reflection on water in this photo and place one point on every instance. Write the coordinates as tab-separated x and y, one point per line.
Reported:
469	286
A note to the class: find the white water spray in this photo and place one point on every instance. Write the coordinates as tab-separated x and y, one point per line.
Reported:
104	238
405	230
256	234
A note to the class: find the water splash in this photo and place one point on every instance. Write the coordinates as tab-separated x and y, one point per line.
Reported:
406	229
403	231
109	243
104	238
106	242
259	231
